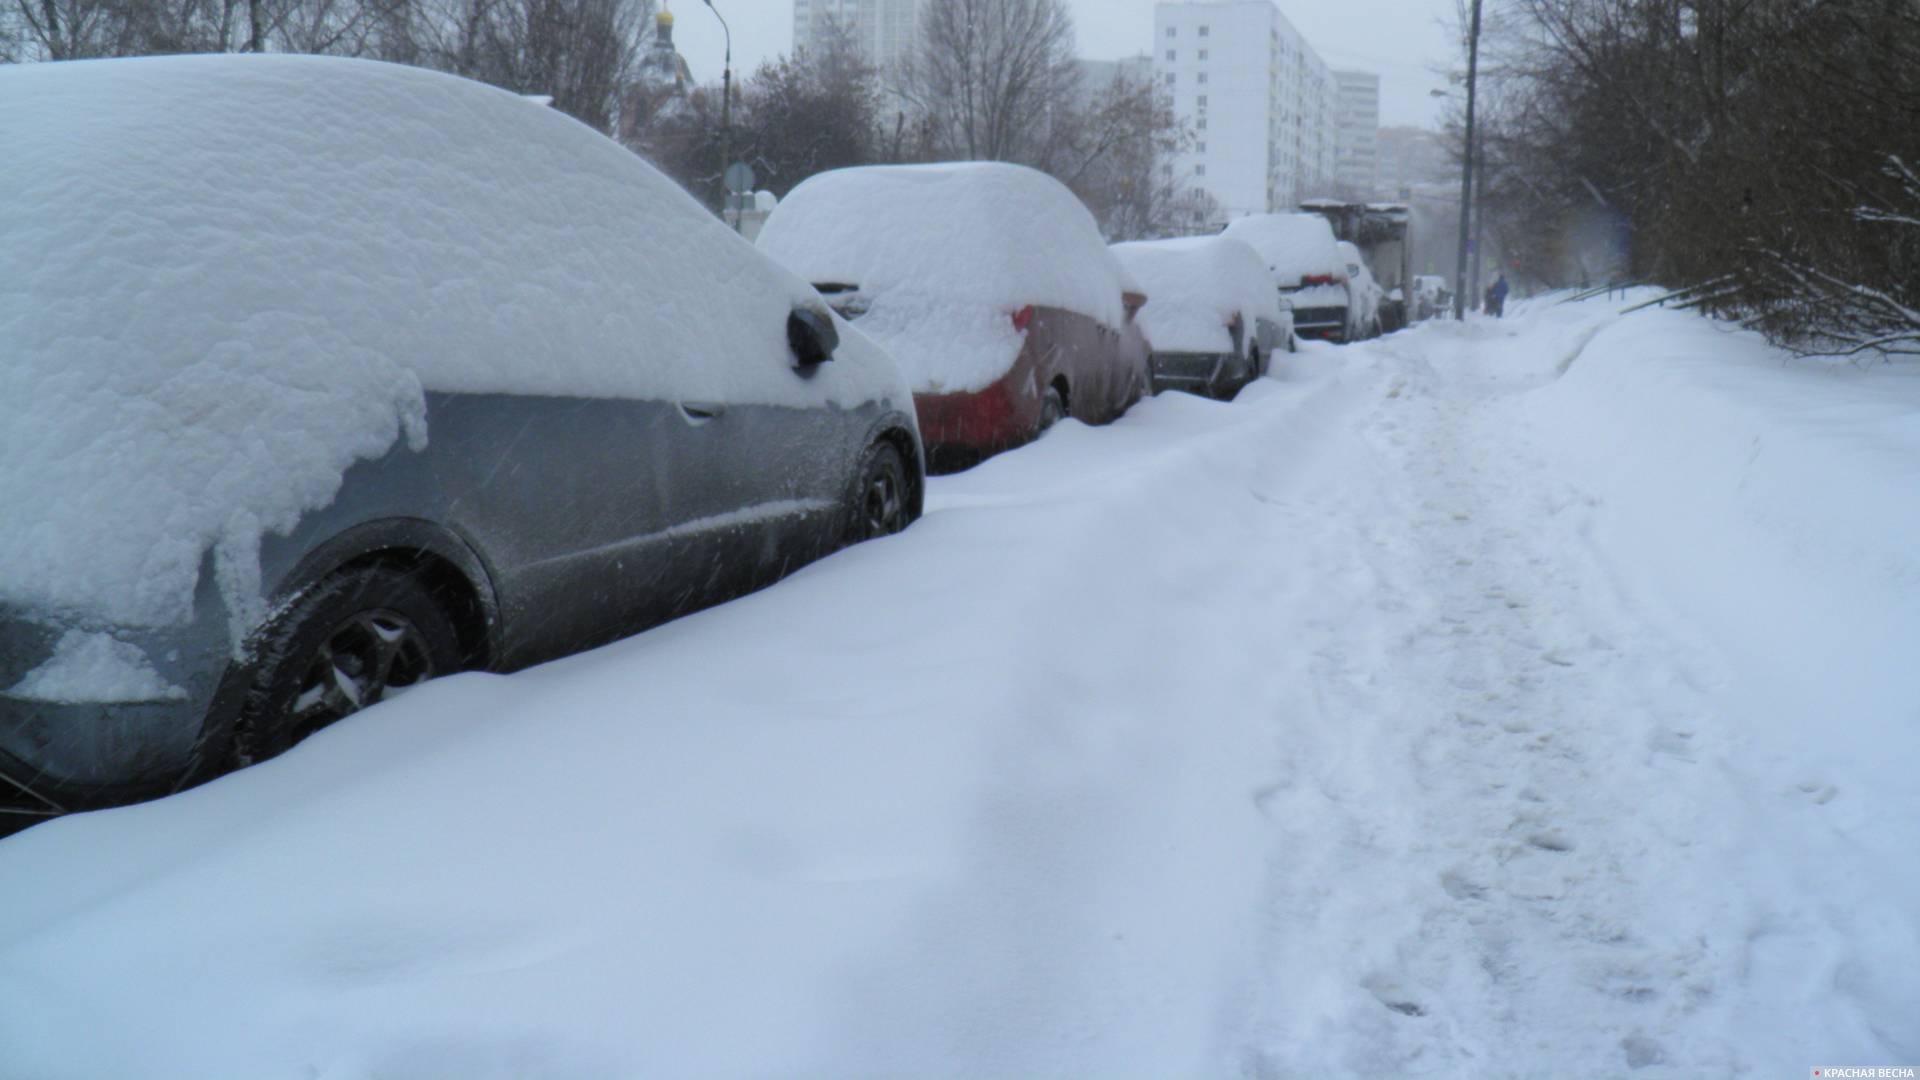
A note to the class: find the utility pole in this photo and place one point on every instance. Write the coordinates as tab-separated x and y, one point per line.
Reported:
726	119
1479	218
1466	170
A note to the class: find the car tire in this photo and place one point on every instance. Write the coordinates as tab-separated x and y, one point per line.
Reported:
880	503
1053	409
349	642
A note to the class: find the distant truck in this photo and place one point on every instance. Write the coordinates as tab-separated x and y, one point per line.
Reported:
1379	230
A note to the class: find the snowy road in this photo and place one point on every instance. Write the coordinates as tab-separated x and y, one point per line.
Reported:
1443	707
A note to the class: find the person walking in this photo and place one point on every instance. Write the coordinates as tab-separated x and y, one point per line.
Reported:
1497	297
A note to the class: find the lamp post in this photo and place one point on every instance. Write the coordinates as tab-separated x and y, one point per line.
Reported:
726	118
1466	170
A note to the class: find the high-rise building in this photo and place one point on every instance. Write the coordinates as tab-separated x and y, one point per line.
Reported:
1259	100
883	30
1357	133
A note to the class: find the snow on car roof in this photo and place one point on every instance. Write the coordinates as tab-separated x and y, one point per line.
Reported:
936	247
1194	286
1293	245
224	279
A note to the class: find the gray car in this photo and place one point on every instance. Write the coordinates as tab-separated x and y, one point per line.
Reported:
339	376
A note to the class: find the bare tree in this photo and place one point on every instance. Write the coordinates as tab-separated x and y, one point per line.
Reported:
989	79
582	52
795	116
1116	151
1757	153
71	29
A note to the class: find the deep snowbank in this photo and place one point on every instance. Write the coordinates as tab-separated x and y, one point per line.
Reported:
1775	505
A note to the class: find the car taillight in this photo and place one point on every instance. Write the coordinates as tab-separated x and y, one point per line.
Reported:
1023	318
1318	279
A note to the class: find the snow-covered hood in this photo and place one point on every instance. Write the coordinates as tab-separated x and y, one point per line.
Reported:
1294	246
223	280
1195	287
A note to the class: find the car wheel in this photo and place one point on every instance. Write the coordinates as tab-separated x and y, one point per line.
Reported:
357	638
1053	408
880	502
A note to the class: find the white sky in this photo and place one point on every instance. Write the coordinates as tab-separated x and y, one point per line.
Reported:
1403	40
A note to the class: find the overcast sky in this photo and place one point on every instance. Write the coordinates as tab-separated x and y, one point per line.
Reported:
1403	40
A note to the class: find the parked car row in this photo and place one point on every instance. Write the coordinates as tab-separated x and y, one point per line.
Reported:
437	379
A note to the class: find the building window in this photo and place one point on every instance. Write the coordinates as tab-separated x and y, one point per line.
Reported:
1200	123
1199	170
1173	31
1169	78
1202	77
1199	148
1201	101
1203	30
1203	54
1170	55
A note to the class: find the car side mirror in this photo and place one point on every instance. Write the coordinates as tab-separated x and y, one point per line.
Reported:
812	336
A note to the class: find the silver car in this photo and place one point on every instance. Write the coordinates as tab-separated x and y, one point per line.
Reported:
322	377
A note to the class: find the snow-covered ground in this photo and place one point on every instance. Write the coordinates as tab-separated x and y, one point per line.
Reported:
1525	698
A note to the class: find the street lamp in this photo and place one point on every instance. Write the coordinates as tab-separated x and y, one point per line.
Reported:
726	117
1466	169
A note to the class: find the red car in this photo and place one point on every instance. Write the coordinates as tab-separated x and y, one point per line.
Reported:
990	285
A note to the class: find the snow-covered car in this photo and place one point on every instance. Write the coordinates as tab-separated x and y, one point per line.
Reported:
323	377
1364	295
1214	320
988	283
1306	265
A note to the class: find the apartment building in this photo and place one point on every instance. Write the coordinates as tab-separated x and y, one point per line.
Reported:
1260	101
1356	164
883	30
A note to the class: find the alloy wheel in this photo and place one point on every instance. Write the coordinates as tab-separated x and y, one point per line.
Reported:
365	659
882	507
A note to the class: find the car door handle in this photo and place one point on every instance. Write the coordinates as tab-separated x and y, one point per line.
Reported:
701	411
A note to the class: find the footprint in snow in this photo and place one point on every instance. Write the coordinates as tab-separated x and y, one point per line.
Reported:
1460	887
1820	794
1389	993
1551	840
1642	1051
1675	744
